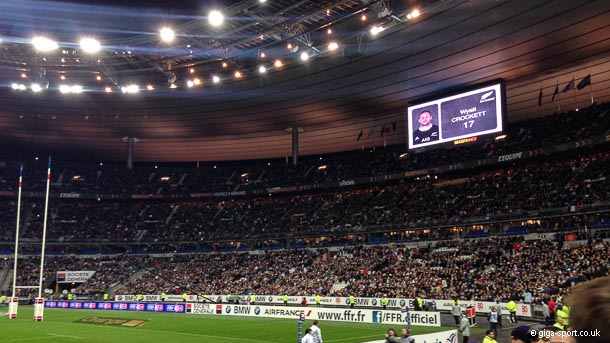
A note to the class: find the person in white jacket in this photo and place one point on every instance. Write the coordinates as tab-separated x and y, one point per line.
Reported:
316	333
465	328
456	312
308	338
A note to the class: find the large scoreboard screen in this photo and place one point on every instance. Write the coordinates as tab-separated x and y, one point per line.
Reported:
457	118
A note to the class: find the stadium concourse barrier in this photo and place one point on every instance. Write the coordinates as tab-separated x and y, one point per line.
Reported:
523	310
449	336
417	318
353	315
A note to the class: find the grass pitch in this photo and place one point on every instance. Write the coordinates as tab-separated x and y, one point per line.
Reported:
65	325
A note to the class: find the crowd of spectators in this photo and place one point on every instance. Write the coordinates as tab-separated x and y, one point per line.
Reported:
482	269
114	178
459	198
109	271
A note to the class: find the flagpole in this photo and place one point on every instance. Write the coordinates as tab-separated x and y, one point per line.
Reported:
17	231
44	230
372	135
540	101
394	135
574	93
591	88
556	93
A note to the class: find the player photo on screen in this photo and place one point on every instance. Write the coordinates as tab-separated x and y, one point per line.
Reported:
425	119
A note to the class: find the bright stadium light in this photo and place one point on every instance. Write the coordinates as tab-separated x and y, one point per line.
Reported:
90	45
75	89
376	29
215	18
167	34
215	79
414	14
304	56
18	86
262	69
44	44
130	89
36	87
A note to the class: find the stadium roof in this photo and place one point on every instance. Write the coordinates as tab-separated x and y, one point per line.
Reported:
364	85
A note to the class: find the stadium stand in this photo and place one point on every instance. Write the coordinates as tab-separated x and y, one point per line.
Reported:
491	208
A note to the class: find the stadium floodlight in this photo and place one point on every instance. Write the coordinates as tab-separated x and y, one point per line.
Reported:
18	86
262	69
36	87
44	44
65	89
90	45
215	18
130	89
304	56
333	46
190	84
167	34
375	30
215	79
414	14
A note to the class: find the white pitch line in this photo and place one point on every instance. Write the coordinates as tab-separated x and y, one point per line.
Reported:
229	339
347	339
27	339
58	335
211	336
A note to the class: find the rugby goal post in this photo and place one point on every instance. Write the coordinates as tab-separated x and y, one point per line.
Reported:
38	301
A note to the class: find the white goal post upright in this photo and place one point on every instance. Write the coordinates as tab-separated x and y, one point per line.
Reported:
39	301
14	304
